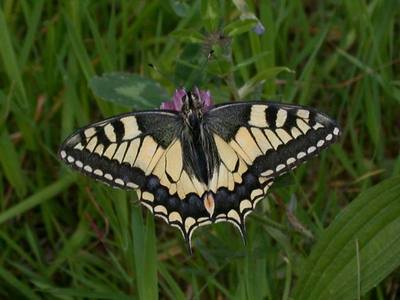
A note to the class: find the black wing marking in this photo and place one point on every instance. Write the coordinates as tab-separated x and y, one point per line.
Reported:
257	142
123	150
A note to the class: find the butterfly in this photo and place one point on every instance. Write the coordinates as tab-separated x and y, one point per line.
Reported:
193	163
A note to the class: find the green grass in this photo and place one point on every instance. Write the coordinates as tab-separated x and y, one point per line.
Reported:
63	236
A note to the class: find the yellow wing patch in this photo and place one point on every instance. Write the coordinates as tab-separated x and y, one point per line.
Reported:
169	169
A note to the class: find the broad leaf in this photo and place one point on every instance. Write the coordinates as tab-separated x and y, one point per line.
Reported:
358	250
128	89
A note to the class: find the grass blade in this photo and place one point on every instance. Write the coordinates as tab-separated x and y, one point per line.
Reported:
38	198
9	161
10	62
19	286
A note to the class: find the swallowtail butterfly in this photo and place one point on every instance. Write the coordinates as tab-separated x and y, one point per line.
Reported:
194	164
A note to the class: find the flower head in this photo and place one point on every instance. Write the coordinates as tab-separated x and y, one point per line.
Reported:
177	99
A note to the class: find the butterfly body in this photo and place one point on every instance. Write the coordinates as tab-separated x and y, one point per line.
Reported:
194	164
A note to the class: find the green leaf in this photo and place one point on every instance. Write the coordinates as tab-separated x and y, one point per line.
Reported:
4	107
180	8
358	250
246	14
220	66
189	36
35	14
11	164
188	69
173	290
39	197
17	284
267	74
240	26
144	251
251	60
128	89
210	14
69	250
10	62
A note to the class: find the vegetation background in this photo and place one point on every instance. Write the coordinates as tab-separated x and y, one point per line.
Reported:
328	231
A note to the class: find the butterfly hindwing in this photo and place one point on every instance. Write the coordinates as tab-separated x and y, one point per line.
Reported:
173	193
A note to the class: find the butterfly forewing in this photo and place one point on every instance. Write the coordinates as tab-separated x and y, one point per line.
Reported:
121	151
272	138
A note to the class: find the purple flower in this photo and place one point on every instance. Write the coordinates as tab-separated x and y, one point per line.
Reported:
205	97
259	29
176	102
